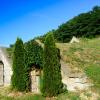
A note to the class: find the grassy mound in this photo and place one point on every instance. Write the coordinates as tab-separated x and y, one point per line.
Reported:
84	55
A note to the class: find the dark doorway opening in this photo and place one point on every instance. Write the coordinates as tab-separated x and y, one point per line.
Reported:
1	73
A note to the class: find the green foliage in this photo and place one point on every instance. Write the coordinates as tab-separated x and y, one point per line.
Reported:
83	25
33	56
30	97
18	77
93	71
68	96
52	84
41	38
34	53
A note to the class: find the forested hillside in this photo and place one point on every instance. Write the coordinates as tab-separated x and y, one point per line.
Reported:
84	25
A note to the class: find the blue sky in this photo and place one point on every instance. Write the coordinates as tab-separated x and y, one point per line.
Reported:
30	18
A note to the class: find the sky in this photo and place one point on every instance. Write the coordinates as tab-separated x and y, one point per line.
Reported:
30	18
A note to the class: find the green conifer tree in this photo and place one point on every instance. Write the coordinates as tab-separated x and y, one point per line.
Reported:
18	77
52	80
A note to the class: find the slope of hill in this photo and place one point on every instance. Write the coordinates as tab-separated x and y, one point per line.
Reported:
83	56
83	25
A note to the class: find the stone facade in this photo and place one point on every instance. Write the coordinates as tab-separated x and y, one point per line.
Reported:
5	68
6	72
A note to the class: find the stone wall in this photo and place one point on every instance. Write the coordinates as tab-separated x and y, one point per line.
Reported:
7	71
1	74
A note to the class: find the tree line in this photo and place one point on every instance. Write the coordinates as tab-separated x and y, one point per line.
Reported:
84	25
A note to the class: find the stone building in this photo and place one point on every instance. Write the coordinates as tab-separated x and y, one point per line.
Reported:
6	72
5	68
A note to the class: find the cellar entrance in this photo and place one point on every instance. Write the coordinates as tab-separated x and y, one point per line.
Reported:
1	73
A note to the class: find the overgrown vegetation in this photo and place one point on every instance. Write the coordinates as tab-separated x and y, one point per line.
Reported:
18	77
34	53
52	80
33	56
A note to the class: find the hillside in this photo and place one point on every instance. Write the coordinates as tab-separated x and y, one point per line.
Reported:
83	25
83	56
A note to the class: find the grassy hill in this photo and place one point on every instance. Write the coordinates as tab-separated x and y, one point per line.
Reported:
84	55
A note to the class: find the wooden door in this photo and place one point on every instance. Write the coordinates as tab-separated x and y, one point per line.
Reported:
35	82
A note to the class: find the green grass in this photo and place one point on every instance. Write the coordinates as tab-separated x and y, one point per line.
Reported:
5	98
31	97
63	96
84	55
93	71
68	96
6	93
25	97
14	95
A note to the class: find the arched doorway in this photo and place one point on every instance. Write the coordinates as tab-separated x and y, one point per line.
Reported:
35	78
1	73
